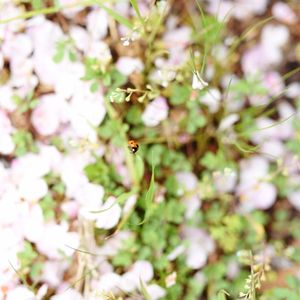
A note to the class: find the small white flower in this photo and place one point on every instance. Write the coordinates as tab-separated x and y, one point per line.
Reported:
198	83
171	279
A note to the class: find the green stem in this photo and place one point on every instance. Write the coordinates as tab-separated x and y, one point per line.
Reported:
128	156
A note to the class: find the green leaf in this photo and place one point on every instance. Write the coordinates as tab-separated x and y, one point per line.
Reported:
27	256
94	87
136	9
37	4
149	197
36	271
139	167
72	56
180	94
133	116
48	206
59	56
107	79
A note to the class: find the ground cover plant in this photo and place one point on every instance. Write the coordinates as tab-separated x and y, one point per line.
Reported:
149	149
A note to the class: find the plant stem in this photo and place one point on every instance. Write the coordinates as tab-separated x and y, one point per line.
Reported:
128	156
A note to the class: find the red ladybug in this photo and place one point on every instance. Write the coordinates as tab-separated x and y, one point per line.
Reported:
133	146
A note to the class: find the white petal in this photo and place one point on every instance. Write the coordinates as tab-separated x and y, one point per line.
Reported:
110	217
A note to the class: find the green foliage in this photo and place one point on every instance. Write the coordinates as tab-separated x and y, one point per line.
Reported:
96	72
27	256
24	142
37	4
65	48
180	94
228	233
48	206
215	161
103	174
248	87
195	118
134	115
24	105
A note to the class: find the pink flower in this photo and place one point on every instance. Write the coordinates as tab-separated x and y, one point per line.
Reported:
70	294
34	223
254	190
6	101
56	239
70	12
29	166
20	292
141	270
109	282
274	36
188	180
128	65
156	291
178	38
200	245
261	195
90	197
283	13
225	181
274	85
80	37
53	272
7	146
18	47
33	189
155	112
97	24
47	116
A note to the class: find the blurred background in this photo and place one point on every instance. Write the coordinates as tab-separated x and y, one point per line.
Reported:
149	149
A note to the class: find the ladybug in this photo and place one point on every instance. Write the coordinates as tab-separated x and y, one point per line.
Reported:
133	146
